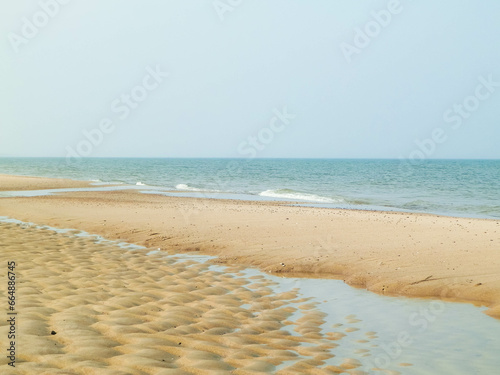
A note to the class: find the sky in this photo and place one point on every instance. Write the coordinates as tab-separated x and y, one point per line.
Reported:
250	78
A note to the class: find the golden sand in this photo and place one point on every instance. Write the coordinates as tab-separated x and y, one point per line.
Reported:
8	183
90	307
386	252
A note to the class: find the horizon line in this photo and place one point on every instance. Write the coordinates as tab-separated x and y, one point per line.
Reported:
242	158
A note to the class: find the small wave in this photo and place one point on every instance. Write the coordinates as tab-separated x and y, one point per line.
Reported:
185	187
291	194
140	184
417	204
364	202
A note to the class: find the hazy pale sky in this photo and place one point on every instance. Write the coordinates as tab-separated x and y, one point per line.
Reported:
250	78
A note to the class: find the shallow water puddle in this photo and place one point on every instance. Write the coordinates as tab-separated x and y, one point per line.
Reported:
409	335
96	187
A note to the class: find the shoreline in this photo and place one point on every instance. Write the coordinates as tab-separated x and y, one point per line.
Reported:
389	253
23	183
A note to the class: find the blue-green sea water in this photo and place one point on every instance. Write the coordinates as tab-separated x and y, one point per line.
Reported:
468	188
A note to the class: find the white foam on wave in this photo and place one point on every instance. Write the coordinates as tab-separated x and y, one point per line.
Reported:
290	194
186	187
140	184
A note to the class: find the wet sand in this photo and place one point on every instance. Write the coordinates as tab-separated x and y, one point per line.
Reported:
8	182
388	253
90	307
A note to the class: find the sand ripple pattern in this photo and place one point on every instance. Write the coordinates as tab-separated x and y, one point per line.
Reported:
118	311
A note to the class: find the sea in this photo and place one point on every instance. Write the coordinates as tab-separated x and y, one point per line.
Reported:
464	188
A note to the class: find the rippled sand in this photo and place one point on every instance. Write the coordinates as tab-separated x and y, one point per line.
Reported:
90	307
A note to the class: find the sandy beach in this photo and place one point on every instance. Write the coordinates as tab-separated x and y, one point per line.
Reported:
17	183
96	308
390	253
